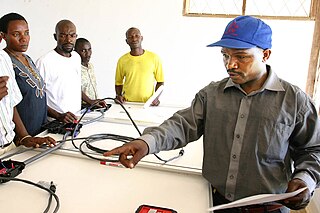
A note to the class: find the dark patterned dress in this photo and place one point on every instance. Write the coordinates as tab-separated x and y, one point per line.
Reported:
33	107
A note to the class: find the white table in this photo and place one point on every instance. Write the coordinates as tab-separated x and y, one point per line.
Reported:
84	185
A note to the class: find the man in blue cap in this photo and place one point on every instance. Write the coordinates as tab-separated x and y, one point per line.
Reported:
261	134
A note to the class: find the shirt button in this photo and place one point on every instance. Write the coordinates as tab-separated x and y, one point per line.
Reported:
228	195
237	136
242	116
234	156
231	176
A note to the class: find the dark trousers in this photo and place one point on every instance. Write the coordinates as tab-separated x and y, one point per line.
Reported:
218	199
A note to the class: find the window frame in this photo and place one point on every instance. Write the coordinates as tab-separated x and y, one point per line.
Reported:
312	13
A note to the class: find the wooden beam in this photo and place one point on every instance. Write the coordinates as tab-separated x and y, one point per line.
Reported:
314	56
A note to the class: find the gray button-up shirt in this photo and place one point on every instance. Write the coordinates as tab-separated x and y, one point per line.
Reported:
253	143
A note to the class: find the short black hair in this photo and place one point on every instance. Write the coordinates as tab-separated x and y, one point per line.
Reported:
80	41
131	28
4	20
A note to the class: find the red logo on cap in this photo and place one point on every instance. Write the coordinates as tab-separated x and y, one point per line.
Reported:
232	29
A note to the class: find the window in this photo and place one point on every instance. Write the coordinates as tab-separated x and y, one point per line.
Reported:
272	9
269	9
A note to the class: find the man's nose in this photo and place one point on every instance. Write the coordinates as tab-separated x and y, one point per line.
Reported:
69	38
232	63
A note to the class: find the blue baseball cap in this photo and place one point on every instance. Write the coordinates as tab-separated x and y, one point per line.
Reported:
245	32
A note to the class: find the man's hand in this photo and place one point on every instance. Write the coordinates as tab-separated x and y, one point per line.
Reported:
3	86
137	149
38	141
67	117
299	201
99	103
120	98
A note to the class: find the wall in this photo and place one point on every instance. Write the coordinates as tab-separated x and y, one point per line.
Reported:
180	41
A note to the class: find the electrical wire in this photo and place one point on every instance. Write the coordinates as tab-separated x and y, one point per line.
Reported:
41	154
88	141
120	138
39	186
97	137
93	138
53	189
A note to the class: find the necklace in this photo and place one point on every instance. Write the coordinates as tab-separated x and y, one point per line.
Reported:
29	68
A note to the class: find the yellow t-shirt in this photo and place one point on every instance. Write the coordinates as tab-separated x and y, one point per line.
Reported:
138	75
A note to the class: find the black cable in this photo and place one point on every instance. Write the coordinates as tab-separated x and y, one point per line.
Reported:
97	137
53	189
49	204
115	137
39	186
87	109
123	139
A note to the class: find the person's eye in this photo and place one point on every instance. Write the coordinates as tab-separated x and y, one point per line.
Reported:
225	55
241	57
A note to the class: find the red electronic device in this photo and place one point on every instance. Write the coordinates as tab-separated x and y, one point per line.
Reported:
154	209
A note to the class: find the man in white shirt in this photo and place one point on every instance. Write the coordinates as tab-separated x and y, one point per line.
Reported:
61	70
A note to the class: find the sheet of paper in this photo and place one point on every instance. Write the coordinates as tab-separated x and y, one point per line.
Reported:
153	97
257	199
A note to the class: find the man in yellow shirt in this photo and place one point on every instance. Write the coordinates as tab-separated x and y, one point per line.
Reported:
139	72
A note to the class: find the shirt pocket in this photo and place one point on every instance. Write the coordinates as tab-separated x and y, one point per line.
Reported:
274	139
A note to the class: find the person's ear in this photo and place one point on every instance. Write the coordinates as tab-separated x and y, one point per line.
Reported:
266	55
55	36
2	35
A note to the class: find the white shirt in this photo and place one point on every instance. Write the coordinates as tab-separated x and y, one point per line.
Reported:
62	77
8	102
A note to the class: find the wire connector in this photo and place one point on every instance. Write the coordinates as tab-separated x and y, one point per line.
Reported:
181	152
49	185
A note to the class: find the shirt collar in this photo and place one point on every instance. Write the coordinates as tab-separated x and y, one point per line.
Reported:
272	83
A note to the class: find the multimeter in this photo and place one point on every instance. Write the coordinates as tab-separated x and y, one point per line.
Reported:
154	209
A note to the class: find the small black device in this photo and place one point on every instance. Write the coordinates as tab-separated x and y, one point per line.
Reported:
57	127
10	169
98	108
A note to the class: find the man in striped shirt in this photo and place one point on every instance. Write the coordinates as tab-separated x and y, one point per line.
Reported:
10	96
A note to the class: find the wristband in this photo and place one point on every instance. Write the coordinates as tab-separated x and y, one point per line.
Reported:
27	136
